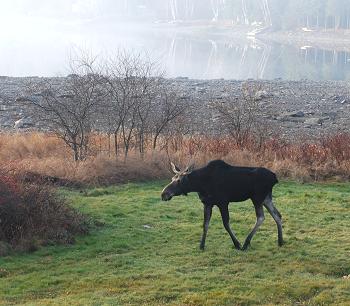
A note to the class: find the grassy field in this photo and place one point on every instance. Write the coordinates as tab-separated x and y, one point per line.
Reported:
126	263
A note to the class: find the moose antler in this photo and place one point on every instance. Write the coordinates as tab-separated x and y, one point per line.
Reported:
175	169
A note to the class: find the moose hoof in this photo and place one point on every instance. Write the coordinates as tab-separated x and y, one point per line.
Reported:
280	243
201	247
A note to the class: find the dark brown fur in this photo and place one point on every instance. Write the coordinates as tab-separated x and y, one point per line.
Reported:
219	183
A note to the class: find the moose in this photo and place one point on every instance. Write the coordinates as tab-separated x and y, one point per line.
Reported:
219	183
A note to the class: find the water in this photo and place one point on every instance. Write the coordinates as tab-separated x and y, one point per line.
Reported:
42	47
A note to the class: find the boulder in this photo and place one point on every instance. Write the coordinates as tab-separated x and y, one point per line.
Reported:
314	121
295	114
292	116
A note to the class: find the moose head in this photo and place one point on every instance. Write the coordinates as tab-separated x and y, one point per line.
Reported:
179	183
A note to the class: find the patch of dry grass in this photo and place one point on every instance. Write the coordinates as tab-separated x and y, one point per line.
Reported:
327	158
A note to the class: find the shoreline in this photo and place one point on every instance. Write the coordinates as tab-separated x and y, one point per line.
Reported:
322	39
339	41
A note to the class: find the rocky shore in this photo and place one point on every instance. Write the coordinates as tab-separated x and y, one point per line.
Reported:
294	108
322	39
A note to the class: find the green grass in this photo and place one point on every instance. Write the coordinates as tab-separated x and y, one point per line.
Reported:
124	263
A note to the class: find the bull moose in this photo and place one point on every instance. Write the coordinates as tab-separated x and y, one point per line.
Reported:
219	183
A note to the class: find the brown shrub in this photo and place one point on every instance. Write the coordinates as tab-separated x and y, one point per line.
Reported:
32	215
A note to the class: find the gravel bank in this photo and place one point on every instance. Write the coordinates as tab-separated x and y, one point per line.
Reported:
296	108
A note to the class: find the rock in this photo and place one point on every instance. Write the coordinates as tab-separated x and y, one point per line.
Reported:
201	89
296	114
289	115
6	124
22	99
146	226
311	101
205	83
181	78
23	123
185	97
314	121
310	113
261	94
331	115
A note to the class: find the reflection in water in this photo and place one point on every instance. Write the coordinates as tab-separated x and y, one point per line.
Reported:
207	59
43	50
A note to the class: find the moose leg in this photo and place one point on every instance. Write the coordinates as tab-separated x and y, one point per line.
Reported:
226	221
207	216
260	217
268	203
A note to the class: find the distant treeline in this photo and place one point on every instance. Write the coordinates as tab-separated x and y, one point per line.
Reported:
280	14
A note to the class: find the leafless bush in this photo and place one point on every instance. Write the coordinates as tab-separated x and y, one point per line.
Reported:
240	114
68	107
132	81
125	96
169	107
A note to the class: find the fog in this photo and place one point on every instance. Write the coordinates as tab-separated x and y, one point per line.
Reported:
191	38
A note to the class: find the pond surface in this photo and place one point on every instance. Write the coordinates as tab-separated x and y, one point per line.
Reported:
43	47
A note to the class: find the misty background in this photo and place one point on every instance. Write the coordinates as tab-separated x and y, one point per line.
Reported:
192	38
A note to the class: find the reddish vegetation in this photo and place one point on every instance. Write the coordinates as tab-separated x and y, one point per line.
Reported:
325	158
41	157
32	215
8	188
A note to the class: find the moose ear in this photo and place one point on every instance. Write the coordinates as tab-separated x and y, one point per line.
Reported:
175	169
189	169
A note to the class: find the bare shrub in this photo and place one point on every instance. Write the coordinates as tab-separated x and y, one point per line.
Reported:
240	115
68	107
124	96
132	81
170	106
